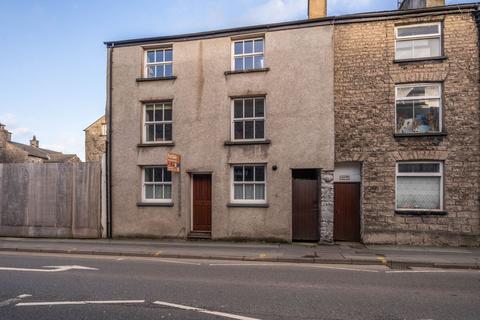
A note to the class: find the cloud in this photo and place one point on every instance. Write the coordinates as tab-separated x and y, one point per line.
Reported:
276	11
12	125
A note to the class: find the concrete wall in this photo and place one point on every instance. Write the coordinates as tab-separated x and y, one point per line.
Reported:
365	78
50	200
299	112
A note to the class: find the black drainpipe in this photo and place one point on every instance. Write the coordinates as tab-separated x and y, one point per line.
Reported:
109	144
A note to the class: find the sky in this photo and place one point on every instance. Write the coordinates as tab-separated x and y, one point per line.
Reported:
53	60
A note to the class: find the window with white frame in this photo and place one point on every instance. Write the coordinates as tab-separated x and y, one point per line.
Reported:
104	129
159	63
418	41
249	183
157	184
418	108
158	122
248	54
248	119
419	186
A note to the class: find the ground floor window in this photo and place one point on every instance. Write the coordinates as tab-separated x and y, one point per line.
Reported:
419	186
157	184
249	183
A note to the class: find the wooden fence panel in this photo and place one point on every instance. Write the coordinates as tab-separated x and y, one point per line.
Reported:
50	200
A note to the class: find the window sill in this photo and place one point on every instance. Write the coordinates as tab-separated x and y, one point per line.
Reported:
246	71
151	145
247	205
156	79
246	143
431	134
421	212
155	204
402	61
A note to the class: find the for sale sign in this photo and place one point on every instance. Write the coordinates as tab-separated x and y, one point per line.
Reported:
173	162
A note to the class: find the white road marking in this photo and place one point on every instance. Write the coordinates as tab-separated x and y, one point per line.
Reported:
216	313
179	262
59	303
52	269
332	267
14	300
432	271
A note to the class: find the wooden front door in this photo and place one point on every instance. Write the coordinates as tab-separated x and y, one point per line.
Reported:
305	205
347	212
202	202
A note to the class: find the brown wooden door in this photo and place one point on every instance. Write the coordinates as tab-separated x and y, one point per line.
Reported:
305	208
202	202
347	212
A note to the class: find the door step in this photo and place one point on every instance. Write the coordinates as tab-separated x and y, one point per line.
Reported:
194	235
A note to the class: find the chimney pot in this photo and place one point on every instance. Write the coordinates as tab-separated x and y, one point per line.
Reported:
317	9
34	142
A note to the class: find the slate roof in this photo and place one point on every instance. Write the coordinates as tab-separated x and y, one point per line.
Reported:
48	155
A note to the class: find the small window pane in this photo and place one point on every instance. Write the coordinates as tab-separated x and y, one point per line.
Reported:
405	117
249	129
258	62
238	130
157	174
249	192
418	192
248	63
259	192
419	168
248	46
159	132
259	46
167	189
259	129
248	173
426	116
167	113
249	108
168	55
167	175
168	70
259	173
259	108
238	109
159	71
149	113
149	191
418	30
148	174
410	92
150	56
238	63
159	55
158	191
426	48
238	192
158	112
238	173
150	132
151	72
239	47
404	50
168	132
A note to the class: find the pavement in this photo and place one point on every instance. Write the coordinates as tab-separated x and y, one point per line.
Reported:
395	257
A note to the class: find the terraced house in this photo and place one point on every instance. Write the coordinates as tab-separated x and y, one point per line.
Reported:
360	128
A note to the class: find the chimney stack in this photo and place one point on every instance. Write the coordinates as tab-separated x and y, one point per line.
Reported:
419	4
34	142
5	136
317	9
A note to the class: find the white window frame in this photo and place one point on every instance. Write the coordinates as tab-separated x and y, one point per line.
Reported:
144	198
163	122
148	64
233	183
420	174
439	98
254	54
233	119
104	129
421	37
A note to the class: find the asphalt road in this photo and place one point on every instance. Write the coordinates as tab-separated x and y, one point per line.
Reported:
149	288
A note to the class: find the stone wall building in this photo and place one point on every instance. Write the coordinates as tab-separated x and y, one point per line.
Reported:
407	122
14	152
96	140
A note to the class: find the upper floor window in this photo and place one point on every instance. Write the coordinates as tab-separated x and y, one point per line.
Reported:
249	183
419	186
418	108
248	119
248	54
157	184
104	129
159	63
158	122
418	41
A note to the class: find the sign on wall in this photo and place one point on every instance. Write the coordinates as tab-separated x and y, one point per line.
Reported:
173	162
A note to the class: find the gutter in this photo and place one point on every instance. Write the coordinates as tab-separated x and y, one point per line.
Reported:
331	20
109	142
